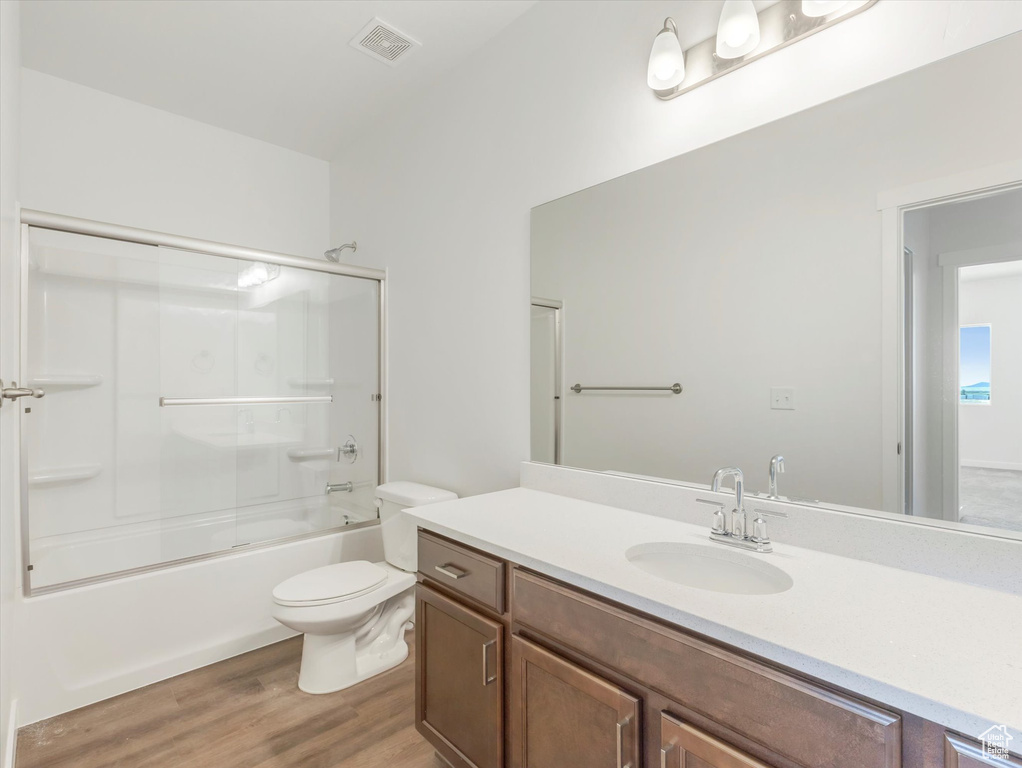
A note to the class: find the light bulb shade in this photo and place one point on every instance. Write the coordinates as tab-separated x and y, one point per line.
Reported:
814	8
738	29
666	60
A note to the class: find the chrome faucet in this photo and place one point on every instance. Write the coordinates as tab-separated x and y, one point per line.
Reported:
342	487
737	534
738	520
776	466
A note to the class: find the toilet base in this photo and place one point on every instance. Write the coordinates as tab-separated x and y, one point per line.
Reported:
332	663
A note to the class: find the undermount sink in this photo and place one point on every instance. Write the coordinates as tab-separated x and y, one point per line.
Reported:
709	566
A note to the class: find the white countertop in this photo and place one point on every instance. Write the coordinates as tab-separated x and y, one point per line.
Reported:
942	650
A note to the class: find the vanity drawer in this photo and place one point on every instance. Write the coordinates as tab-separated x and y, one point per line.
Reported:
806	723
462	570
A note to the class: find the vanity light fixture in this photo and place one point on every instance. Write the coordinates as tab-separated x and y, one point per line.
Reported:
666	67
743	36
816	8
738	29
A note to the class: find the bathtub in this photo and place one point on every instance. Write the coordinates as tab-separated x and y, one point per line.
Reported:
86	644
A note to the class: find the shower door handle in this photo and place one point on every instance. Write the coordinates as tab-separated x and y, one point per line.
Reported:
13	392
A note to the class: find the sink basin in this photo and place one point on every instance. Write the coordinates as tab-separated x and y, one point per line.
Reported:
709	566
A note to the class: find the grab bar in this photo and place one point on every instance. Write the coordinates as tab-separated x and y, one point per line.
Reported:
169	401
675	388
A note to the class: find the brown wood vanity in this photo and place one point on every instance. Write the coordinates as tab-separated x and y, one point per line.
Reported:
516	669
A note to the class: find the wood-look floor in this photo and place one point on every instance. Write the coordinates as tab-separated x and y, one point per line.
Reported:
245	712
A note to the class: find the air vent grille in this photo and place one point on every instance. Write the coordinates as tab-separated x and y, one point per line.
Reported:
384	43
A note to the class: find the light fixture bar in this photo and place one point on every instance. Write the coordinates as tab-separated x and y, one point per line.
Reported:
780	25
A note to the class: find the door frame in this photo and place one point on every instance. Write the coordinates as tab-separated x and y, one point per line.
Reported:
558	307
893	204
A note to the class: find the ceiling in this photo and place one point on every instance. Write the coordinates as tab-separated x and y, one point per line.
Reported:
277	70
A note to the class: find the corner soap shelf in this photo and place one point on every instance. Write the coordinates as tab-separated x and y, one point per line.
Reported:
73	474
66	380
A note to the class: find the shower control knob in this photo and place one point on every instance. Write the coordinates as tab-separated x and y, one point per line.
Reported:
349	450
13	392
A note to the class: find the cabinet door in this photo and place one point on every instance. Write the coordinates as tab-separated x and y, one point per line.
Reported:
459	690
965	753
562	715
682	746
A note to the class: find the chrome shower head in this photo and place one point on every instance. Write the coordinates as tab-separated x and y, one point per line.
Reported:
334	254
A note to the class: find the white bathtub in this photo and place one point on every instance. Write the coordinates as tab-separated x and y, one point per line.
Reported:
86	554
82	645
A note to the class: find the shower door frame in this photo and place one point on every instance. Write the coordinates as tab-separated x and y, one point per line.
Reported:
61	223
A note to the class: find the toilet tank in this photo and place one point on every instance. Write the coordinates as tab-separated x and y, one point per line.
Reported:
400	539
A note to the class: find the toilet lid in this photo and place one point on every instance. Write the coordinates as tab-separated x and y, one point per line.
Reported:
330	584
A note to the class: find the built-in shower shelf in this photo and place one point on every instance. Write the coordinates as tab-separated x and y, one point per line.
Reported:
310	383
265	436
66	380
58	475
308	454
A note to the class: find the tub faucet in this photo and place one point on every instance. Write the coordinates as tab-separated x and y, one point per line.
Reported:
342	487
738	521
776	465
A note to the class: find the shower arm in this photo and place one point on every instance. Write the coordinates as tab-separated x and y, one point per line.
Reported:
334	254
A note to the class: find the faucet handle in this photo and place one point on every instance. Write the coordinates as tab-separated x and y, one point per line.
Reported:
759	526
719	524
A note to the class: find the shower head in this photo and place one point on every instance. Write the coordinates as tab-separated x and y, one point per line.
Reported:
334	254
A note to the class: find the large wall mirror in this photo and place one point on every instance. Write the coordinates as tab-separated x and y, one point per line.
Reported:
842	287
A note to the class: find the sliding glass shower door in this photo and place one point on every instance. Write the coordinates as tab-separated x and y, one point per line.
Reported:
194	404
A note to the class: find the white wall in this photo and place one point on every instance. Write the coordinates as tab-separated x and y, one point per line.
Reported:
732	273
89	154
9	71
989	435
440	191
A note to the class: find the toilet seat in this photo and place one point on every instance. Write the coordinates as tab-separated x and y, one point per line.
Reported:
330	584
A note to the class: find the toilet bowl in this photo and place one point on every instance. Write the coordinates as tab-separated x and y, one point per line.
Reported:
354	614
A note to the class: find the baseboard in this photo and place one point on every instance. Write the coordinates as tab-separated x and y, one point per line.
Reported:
992	464
8	755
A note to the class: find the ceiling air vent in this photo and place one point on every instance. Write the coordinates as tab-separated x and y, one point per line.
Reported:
384	43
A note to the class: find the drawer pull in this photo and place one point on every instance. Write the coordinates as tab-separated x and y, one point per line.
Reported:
451	571
487	679
664	752
622	724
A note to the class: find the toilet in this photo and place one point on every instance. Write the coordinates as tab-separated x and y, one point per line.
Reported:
354	615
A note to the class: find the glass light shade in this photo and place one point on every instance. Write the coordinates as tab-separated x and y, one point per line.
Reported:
814	8
666	61
738	29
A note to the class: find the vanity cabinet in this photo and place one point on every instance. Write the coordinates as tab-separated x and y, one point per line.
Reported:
563	715
586	683
684	746
459	692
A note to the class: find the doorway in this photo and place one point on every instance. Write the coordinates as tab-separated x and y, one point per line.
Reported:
545	377
963	359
